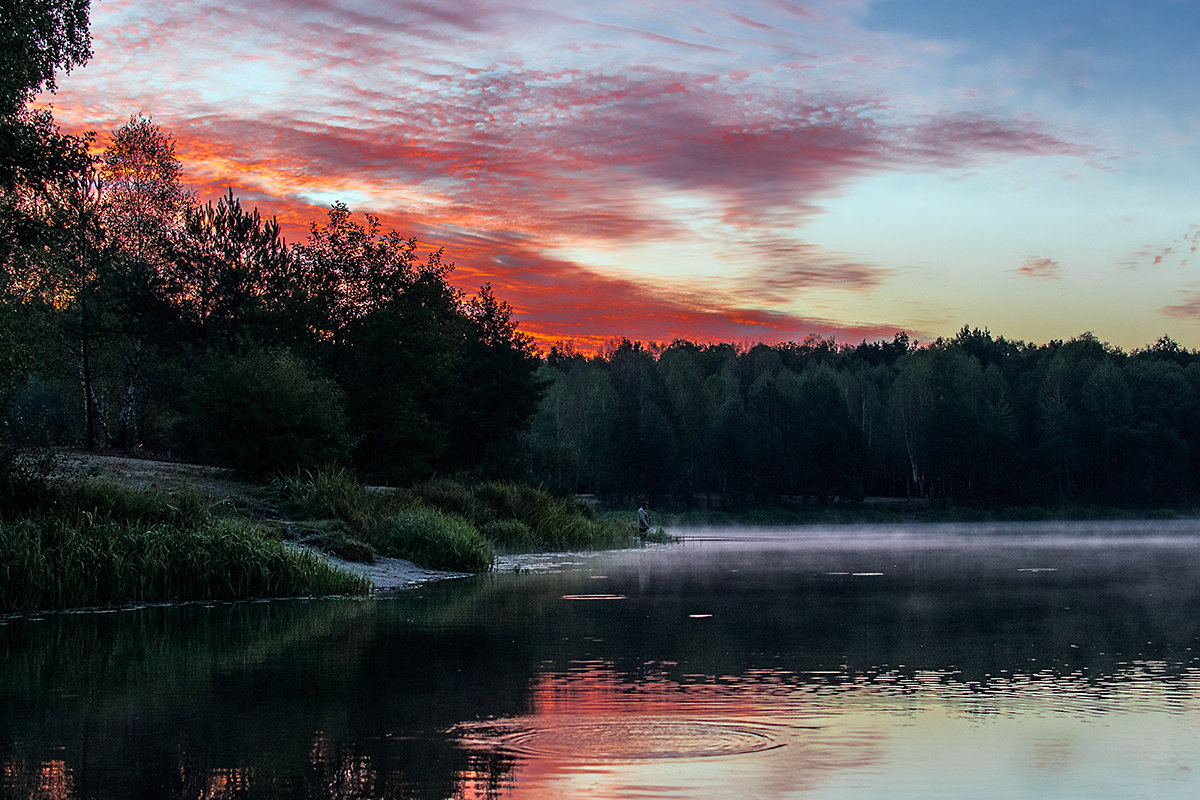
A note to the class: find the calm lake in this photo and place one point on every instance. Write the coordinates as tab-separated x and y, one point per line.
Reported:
991	661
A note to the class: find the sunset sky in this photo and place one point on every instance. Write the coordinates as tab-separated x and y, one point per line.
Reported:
745	171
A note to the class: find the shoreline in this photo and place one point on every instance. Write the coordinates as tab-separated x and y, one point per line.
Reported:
392	574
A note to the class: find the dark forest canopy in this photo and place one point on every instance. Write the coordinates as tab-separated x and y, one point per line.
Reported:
134	317
970	419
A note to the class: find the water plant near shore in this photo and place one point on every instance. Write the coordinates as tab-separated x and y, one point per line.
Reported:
457	522
432	539
96	544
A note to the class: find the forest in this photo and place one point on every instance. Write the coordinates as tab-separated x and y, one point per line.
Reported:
974	420
136	318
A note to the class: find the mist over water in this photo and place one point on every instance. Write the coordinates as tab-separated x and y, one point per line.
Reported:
1009	661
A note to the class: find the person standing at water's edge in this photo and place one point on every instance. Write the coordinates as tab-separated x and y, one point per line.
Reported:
643	520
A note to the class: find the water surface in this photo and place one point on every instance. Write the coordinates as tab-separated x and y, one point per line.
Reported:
1011	661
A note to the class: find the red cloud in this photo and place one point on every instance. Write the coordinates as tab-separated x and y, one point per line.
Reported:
503	161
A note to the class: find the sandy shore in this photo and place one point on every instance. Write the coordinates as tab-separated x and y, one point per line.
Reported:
388	574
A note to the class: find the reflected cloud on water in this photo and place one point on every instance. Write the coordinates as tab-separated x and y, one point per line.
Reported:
998	661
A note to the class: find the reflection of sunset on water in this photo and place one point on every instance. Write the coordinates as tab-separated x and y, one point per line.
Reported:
593	729
971	664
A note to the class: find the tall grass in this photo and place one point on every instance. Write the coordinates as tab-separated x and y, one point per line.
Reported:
51	563
97	544
329	493
459	523
432	539
350	517
554	523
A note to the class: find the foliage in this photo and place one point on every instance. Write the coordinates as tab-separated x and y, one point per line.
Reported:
431	539
143	197
519	517
974	420
229	275
95	543
51	563
147	297
328	492
263	413
509	516
38	38
350	269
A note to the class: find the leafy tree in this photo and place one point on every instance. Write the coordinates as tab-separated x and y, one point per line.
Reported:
575	428
38	38
496	390
397	364
144	200
230	275
682	378
349	269
264	413
828	449
76	281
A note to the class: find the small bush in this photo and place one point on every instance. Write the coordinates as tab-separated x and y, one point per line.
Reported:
432	539
27	479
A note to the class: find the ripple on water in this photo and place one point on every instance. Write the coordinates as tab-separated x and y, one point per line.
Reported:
619	738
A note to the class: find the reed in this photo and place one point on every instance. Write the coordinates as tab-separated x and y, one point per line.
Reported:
100	544
329	493
432	539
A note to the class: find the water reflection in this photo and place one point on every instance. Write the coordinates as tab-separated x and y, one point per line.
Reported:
998	662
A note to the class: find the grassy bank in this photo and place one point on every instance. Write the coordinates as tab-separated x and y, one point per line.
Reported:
95	543
69	543
442	524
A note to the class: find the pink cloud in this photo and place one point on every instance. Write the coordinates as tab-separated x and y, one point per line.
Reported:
1035	267
1188	309
510	152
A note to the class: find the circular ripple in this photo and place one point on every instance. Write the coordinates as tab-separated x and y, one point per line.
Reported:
621	739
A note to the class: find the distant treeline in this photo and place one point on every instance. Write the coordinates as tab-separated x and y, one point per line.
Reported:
974	419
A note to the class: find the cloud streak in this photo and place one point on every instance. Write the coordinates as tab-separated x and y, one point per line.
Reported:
720	128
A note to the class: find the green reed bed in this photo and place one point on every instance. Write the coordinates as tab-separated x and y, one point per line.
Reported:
447	524
103	545
432	539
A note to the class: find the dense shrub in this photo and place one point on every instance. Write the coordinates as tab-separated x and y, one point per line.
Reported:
263	414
